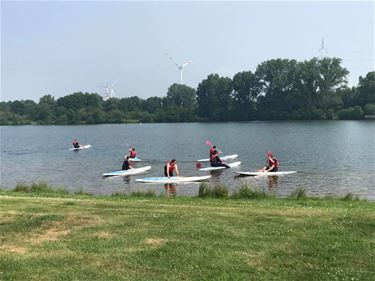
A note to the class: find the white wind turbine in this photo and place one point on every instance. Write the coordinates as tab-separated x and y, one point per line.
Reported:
180	67
322	50
109	92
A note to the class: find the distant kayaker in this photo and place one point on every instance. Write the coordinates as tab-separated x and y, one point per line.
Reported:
133	153
170	167
75	143
215	160
272	164
126	165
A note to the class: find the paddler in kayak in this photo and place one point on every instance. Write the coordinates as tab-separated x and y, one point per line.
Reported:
215	160
212	150
133	153
272	164
170	167
126	165
75	143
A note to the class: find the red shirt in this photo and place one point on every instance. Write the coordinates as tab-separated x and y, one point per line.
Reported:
133	154
212	151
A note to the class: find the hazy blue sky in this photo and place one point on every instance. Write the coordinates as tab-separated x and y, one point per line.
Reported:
59	48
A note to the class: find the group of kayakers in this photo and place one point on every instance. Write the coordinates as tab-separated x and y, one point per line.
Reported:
272	165
169	168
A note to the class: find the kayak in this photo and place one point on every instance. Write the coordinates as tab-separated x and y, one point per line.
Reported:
224	158
173	179
134	171
81	147
234	164
265	173
135	159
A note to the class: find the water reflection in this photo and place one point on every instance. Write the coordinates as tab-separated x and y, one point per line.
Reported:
170	189
126	179
336	151
273	182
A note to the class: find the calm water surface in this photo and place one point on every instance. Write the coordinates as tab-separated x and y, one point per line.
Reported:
331	157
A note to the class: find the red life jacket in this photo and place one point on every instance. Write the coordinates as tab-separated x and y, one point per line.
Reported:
213	156
133	154
171	167
273	163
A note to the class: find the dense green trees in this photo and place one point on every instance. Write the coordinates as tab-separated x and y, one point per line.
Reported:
214	98
365	92
246	88
279	89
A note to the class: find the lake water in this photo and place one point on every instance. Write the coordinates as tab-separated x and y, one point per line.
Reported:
331	157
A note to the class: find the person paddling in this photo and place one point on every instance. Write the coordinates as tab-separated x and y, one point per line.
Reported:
170	167
75	143
133	153
212	150
215	160
272	164
126	165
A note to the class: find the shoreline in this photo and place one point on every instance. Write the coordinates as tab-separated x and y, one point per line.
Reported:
206	190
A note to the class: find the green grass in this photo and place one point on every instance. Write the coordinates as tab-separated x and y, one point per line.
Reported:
79	237
40	188
248	192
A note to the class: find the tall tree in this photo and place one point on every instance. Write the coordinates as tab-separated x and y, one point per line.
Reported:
181	96
214	98
331	81
246	89
366	89
277	79
153	104
47	109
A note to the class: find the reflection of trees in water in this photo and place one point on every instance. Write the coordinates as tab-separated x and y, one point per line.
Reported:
170	189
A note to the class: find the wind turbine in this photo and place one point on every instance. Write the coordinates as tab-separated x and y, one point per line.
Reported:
109	92
179	67
322	50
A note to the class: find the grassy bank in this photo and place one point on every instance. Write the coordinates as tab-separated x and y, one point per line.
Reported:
80	237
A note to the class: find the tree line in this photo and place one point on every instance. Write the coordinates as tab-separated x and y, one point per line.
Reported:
279	89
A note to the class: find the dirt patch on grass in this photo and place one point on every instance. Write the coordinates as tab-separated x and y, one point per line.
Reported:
14	249
104	235
52	234
11	213
252	259
155	241
9	216
82	221
62	228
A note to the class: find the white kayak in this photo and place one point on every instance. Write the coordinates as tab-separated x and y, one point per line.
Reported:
134	171
135	159
224	158
265	173
172	179
81	147
234	164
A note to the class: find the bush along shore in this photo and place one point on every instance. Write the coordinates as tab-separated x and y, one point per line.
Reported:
49	234
205	191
